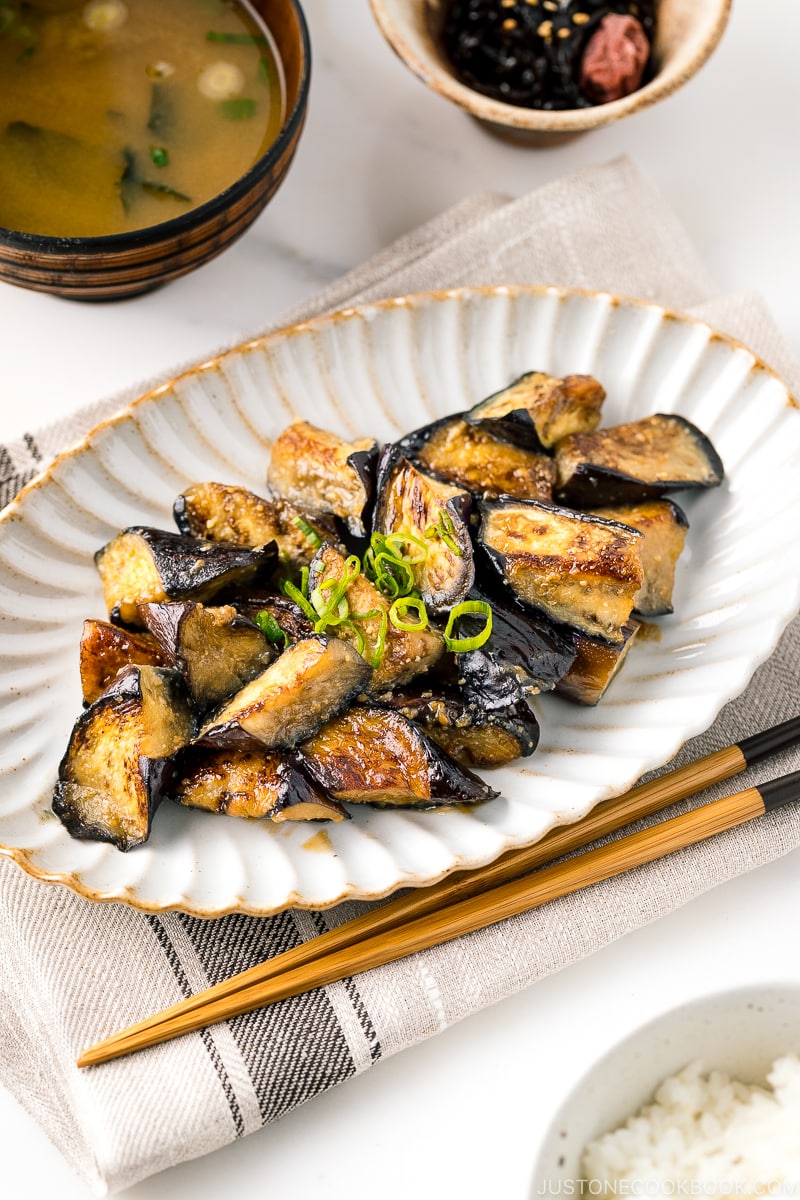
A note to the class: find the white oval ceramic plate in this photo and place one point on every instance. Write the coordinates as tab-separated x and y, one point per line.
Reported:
382	370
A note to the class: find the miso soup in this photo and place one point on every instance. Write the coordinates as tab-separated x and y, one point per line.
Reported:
119	114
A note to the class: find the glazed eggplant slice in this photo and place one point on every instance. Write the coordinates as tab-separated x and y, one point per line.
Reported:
216	650
250	782
526	653
469	457
119	760
596	664
537	410
105	649
219	512
583	571
143	565
434	513
663	526
474	736
318	470
641	460
397	654
375	756
307	685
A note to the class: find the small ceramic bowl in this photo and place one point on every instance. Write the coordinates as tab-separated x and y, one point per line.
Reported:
119	265
687	33
741	1032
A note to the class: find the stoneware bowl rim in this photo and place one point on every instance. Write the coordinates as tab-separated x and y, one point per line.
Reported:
532	120
45	244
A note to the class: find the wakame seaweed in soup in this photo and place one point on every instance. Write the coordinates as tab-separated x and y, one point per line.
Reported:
118	115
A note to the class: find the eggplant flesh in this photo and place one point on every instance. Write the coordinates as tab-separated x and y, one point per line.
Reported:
215	648
583	571
143	565
120	757
307	685
222	513
663	526
526	653
370	755
474	736
251	783
537	410
406	653
640	460
596	664
468	457
318	470
435	513
105	649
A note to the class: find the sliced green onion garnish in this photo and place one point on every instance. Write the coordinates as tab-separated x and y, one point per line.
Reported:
268	625
398	613
395	544
294	593
159	156
468	608
376	657
445	530
311	535
236	39
239	108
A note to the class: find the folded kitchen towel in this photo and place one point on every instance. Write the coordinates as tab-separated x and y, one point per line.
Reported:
73	970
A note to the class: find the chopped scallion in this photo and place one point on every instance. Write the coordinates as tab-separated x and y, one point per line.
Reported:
236	39
294	593
311	535
240	108
268	625
468	608
400	608
159	156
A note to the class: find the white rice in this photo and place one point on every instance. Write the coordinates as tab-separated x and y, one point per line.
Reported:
705	1134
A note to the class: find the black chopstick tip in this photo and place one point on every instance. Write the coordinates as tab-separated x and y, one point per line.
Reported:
777	792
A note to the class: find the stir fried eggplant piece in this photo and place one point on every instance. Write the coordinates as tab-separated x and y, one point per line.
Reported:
375	756
318	470
222	513
119	760
469	457
526	653
596	664
398	654
435	514
581	570
250	782
307	685
143	565
105	649
474	736
216	650
538	410
663	526
640	460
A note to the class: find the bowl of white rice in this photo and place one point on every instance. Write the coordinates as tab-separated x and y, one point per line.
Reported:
702	1101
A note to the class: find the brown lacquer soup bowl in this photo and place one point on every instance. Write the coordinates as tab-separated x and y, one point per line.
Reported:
117	265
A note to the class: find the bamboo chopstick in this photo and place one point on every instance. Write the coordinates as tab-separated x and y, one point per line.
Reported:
418	914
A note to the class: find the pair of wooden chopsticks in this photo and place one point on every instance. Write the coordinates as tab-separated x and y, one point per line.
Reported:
472	900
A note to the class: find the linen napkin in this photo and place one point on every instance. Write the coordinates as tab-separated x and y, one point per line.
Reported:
74	970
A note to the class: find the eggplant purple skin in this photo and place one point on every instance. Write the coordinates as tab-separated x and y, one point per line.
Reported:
526	652
426	706
365	465
594	486
393	455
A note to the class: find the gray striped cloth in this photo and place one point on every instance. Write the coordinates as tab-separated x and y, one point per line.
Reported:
74	970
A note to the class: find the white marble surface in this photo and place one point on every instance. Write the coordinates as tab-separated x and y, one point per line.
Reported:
461	1114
